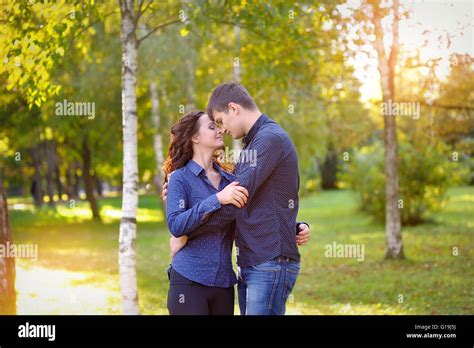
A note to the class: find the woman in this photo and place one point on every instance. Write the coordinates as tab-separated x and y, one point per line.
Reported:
201	276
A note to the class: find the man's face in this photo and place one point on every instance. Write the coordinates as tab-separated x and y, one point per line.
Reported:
230	122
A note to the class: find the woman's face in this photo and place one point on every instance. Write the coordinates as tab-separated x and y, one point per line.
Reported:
208	135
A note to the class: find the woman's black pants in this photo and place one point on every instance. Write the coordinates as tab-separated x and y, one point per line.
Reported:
186	297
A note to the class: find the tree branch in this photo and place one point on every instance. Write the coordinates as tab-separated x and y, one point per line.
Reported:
90	25
221	21
161	26
394	51
433	105
142	10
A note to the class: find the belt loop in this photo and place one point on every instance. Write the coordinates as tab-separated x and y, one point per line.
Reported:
281	259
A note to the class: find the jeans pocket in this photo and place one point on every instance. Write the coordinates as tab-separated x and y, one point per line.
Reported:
290	280
261	286
269	266
294	266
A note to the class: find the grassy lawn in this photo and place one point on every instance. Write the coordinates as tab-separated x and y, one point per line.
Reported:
77	272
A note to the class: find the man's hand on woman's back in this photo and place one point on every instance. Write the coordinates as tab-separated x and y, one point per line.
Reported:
303	235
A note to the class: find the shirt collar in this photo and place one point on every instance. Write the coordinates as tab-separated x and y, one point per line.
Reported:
254	129
196	169
224	174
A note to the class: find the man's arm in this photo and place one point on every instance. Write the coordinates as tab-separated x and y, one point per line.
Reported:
269	151
302	228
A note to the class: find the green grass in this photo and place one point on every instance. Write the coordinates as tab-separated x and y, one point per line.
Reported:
77	272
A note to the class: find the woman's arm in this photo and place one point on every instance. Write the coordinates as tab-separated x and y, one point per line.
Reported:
182	219
176	244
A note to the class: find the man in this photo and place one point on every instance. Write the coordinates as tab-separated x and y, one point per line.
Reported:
266	247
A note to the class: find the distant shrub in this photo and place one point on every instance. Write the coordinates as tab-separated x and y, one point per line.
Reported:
425	173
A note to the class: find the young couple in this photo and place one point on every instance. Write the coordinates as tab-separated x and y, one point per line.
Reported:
209	204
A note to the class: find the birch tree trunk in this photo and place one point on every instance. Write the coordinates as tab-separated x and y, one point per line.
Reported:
157	139
128	225
237	143
190	66
386	67
7	264
190	89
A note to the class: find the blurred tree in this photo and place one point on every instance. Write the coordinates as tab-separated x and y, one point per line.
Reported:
425	175
35	36
454	107
7	263
368	18
386	66
128	225
131	13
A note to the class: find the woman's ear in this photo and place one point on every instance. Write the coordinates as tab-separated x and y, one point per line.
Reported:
195	139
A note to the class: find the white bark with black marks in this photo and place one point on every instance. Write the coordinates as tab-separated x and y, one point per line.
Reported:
237	143
157	138
128	225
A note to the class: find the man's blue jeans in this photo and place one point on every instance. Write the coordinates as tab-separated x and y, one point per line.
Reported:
263	289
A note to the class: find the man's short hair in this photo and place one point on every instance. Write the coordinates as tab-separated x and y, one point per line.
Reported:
229	92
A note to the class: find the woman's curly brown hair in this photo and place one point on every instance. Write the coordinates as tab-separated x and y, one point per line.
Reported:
180	150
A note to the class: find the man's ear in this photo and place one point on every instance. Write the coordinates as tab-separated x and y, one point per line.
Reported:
234	107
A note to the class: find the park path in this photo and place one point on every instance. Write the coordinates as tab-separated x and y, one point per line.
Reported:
49	291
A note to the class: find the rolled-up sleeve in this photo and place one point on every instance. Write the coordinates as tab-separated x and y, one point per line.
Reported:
181	218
